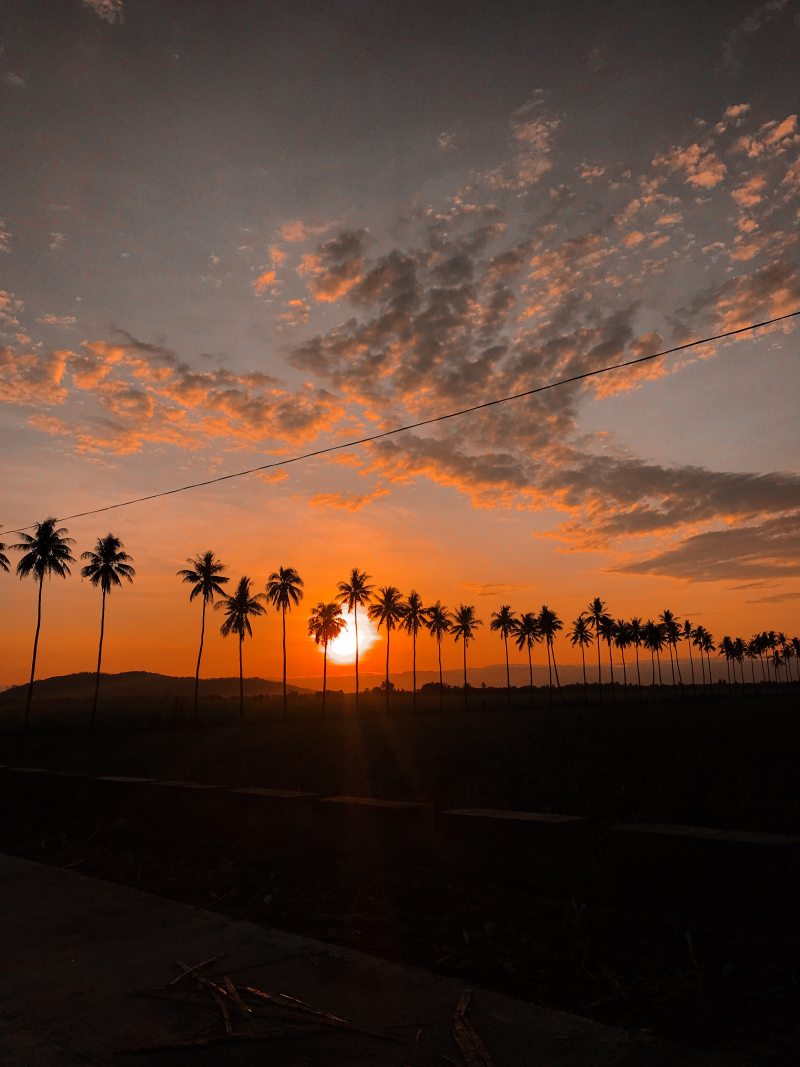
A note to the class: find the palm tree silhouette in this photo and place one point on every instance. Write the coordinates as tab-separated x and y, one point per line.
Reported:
106	566
698	635
239	608
608	631
653	641
581	635
204	575
636	636
504	622
463	629
549	626
284	589
438	622
387	610
324	625
3	557
672	636
622	638
527	635
596	614
45	552
413	620
726	650
355	593
687	634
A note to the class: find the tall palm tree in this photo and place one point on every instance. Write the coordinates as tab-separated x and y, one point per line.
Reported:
204	575
581	635
386	610
708	647
324	625
527	635
463	629
672	636
622	639
795	643
637	638
549	626
697	640
3	557
653	641
726	649
504	622
596	614
284	589
239	608
412	622
687	634
608	631
438	622
354	594
45	552
106	566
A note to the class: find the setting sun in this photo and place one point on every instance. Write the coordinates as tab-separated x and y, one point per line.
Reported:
343	648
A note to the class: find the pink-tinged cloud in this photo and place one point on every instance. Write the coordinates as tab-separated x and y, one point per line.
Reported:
346	501
296	230
266	280
750	193
111	11
701	166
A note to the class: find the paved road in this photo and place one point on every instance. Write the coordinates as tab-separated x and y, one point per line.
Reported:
73	950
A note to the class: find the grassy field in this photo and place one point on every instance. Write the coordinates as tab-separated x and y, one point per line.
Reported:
724	758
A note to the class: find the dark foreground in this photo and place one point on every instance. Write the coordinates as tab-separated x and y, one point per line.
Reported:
716	974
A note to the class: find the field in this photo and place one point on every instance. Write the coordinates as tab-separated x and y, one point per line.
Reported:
724	757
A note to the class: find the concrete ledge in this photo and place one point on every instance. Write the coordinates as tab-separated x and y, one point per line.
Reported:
696	860
191	805
523	845
368	824
124	796
260	815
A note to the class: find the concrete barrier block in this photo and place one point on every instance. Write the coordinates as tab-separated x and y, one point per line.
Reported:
520	845
366	824
267	814
122	796
192	805
702	863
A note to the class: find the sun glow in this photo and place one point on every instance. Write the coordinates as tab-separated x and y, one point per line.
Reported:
343	648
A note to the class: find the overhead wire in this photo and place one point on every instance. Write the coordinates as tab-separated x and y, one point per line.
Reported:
419	424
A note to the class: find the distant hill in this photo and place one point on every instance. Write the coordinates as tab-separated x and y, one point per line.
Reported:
143	685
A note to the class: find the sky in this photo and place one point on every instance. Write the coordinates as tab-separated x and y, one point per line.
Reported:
232	233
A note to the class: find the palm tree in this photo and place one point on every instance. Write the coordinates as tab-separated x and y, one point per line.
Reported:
708	647
698	635
687	635
672	636
3	557
413	621
504	622
324	625
463	629
45	552
751	651
527	635
608	631
581	635
596	614
795	643
726	649
106	566
387	610
622	638
549	626
438	622
239	608
653	641
636	640
284	589
355	594
204	575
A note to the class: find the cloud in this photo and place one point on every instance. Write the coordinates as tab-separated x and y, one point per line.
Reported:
265	281
532	135
761	550
57	320
5	237
295	313
702	167
296	230
30	378
336	267
767	293
346	501
447	141
760	17
16	81
777	598
111	11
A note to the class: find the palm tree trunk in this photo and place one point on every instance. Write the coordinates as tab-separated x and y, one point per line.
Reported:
658	657
638	673
752	671
599	674
691	662
388	638
611	670
671	664
241	682
466	703
324	673
530	671
355	623
99	658
441	685
653	665
508	676
199	657
624	669
35	649
678	665
585	686
285	705
702	669
549	672
555	668
414	670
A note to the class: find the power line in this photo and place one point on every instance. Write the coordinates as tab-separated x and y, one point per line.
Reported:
422	422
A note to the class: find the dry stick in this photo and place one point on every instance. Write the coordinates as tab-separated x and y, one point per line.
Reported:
470	1045
233	993
185	970
319	1017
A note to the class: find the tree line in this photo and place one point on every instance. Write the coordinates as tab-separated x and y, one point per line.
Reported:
47	552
